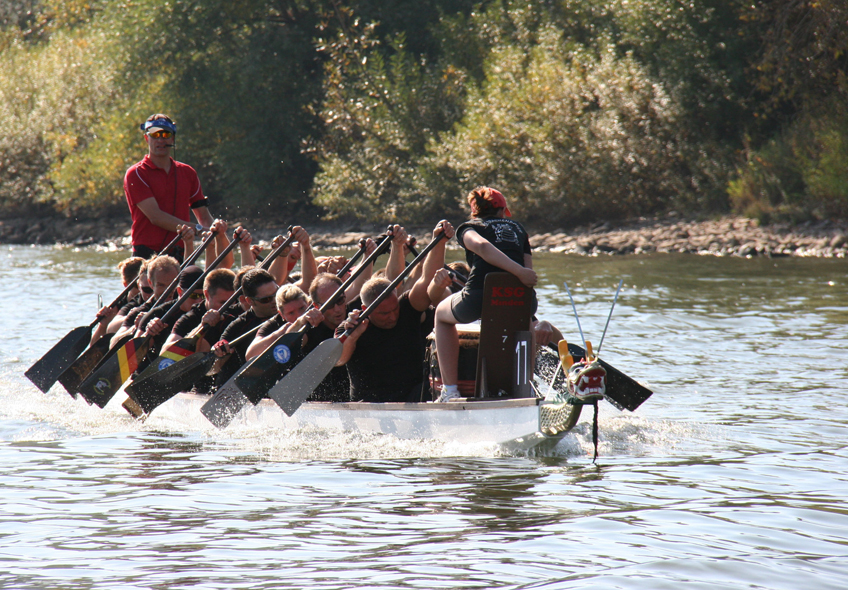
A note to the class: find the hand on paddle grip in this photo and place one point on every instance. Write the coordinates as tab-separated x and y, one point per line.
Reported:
444	226
222	348
107	313
300	235
211	317
244	236
399	235
186	232
218	226
352	323
154	327
543	331
442	279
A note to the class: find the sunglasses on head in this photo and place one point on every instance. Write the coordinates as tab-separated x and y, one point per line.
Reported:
161	134
264	300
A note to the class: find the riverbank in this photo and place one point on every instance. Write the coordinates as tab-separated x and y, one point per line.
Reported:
727	236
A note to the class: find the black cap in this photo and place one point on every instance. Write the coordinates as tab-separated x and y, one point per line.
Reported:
189	275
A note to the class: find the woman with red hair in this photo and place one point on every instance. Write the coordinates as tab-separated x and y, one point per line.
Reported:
493	243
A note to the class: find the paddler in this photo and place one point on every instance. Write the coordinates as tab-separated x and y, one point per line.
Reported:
260	290
161	272
130	269
385	353
493	243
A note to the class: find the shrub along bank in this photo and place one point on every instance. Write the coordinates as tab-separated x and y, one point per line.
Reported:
579	110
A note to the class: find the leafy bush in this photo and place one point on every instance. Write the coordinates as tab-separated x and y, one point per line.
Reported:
801	174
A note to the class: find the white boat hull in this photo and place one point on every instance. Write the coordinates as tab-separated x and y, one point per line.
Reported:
514	423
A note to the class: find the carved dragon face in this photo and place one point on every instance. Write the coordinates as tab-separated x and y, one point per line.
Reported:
587	381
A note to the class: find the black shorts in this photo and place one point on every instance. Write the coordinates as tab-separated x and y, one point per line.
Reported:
467	306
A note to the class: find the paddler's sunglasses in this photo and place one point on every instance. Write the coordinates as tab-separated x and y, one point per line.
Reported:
264	300
161	134
147	290
340	300
196	295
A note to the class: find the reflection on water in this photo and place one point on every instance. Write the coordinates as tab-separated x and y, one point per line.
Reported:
733	475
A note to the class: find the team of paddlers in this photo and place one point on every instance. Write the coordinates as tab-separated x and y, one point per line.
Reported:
382	359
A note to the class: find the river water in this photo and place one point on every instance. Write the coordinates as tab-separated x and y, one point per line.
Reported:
733	475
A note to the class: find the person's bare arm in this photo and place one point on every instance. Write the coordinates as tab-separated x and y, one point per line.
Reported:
397	253
487	251
435	260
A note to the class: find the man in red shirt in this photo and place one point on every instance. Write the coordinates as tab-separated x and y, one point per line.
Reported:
160	193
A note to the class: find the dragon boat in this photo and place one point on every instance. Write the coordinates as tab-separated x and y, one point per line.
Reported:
510	400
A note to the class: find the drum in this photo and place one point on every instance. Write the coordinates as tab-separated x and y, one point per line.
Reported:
469	340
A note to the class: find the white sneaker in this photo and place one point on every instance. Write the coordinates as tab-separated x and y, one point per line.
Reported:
446	396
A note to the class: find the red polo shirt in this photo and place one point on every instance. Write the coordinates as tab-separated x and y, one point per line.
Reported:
174	191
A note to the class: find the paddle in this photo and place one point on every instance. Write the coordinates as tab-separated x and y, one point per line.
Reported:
145	396
104	382
266	369
253	379
186	346
46	370
152	388
622	391
456	275
295	387
90	360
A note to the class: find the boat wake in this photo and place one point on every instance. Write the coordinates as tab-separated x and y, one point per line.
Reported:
26	414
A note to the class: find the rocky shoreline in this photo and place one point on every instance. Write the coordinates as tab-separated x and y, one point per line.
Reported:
727	236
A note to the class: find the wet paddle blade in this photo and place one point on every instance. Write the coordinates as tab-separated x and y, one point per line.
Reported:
264	371
301	381
151	392
85	364
226	403
183	348
622	391
99	387
47	369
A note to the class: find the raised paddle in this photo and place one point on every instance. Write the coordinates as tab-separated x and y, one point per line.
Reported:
151	388
99	387
186	346
294	388
90	360
46	370
266	369
458	278
253	379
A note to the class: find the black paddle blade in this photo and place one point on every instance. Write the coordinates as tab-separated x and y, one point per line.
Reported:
175	353
308	374
151	392
47	369
226	403
264	371
622	391
85	364
99	387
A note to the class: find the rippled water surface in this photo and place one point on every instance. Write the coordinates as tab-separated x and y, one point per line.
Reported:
733	475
